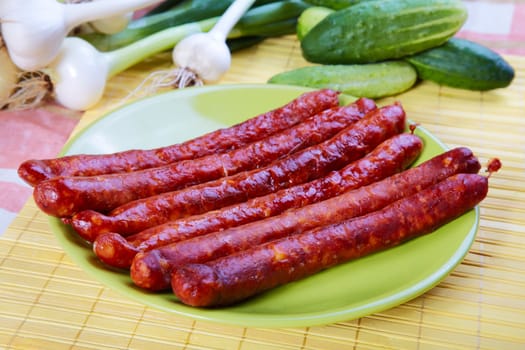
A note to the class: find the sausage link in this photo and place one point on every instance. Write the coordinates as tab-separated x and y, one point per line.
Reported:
64	196
348	145
256	128
152	269
239	276
390	157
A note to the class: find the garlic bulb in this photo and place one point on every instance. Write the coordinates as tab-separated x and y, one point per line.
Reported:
33	37
206	54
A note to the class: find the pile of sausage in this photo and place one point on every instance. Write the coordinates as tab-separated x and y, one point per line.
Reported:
276	198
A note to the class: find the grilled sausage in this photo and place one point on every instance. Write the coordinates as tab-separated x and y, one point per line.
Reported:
64	196
256	128
239	276
350	144
152	269
392	156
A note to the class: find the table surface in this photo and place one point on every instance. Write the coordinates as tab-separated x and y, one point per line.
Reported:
47	302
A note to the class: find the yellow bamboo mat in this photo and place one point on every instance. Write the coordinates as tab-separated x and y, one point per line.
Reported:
47	302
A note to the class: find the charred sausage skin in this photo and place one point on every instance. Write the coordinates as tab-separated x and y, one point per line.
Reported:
308	104
239	276
64	196
152	269
313	162
390	157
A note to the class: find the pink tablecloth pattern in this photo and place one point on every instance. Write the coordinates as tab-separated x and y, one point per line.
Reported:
499	25
24	135
41	133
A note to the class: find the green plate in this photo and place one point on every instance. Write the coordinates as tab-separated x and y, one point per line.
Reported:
352	290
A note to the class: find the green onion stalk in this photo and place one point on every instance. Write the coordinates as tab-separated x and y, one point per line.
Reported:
183	12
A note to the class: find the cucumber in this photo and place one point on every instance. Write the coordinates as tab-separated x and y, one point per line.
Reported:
463	64
373	80
309	18
335	4
373	31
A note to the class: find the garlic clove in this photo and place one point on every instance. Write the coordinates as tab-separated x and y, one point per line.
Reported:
79	74
113	24
32	37
206	55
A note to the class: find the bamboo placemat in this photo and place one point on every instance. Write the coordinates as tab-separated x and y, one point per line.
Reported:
47	302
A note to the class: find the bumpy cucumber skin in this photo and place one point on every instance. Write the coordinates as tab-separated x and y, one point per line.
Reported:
374	31
374	80
463	64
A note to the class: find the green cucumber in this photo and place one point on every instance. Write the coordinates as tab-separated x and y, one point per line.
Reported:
373	31
309	18
335	4
315	14
463	64
372	80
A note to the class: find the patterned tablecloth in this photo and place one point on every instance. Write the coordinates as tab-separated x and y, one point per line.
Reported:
481	305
